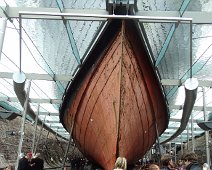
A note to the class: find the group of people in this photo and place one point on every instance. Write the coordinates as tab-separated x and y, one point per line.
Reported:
188	162
29	162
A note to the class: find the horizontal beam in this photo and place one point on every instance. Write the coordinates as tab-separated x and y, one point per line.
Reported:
179	120
34	76
40	113
53	121
177	139
178	82
59	130
46	14
48	113
57	127
32	100
183	134
103	17
199	17
13	12
195	129
196	108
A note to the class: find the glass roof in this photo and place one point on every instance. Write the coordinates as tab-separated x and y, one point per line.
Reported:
52	51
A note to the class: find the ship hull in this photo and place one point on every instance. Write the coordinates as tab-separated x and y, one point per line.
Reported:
117	108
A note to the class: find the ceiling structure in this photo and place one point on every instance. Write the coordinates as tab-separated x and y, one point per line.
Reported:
57	36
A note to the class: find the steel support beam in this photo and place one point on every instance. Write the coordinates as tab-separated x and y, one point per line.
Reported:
23	125
32	100
170	34
13	12
179	82
184	7
199	17
69	32
57	127
183	133
196	108
195	129
35	76
206	132
177	140
3	25
179	120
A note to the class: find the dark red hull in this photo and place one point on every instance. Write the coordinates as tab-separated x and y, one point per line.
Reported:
117	106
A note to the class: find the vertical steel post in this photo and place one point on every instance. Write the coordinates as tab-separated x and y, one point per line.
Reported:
23	125
192	133
187	137
66	153
159	149
206	132
175	154
20	40
3	25
35	130
69	142
38	140
181	146
191	62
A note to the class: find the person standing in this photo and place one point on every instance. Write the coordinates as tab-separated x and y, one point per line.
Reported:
37	162
121	163
167	163
25	162
154	167
191	161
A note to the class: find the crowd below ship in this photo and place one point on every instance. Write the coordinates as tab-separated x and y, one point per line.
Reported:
189	161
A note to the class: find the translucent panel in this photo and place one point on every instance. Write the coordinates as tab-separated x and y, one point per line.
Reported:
198	116
26	3
48	107
180	97
49	118
156	34
53	124
200	5
49	44
6	87
83	4
9	2
84	32
178	114
177	52
11	106
10	60
95	4
45	89
162	5
208	98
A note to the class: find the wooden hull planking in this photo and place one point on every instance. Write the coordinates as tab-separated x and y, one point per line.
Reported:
117	106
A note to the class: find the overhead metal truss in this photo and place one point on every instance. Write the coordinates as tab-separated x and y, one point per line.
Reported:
13	12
